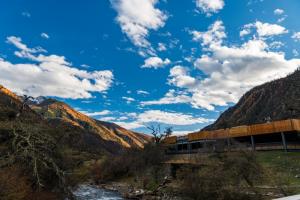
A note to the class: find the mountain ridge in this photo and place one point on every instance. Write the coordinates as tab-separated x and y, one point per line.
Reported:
52	108
60	114
275	100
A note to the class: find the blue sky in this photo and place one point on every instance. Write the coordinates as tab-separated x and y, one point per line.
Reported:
135	62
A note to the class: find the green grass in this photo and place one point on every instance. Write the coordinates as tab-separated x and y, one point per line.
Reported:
282	165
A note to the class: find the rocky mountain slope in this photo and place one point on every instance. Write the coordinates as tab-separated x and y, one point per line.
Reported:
77	127
52	109
275	100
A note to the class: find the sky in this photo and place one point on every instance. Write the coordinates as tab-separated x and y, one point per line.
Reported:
139	62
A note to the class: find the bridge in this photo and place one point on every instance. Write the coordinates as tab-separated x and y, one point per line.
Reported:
276	135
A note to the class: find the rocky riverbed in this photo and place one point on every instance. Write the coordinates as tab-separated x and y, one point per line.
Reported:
127	191
93	192
122	190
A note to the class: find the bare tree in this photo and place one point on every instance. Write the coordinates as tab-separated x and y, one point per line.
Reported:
168	131
36	149
157	134
24	104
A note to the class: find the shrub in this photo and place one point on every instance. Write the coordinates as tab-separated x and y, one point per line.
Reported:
223	176
34	150
13	184
132	162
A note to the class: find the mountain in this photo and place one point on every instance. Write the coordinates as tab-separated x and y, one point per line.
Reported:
52	109
10	105
46	146
275	100
78	129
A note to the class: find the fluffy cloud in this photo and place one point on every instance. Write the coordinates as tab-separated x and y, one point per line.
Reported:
245	31
169	118
264	29
230	70
210	6
179	76
214	36
278	11
155	62
50	75
158	116
296	36
137	17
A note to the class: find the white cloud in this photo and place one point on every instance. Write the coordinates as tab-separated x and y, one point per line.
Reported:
278	11
230	70
16	41
264	29
123	118
128	99
214	35
276	45
84	66
107	119
210	6
51	75
45	35
182	133
132	114
169	118
296	36
161	47
179	76
158	116
233	70
142	92
281	19
208	64
171	97
129	125
155	62
245	32
93	114
238	70
137	18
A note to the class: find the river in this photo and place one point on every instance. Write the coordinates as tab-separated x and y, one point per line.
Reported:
90	192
